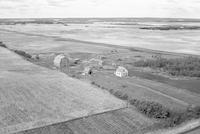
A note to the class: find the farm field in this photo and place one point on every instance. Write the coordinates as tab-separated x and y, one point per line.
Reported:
171	97
32	96
123	121
37	43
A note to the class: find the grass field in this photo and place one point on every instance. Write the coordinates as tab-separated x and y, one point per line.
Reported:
142	89
32	96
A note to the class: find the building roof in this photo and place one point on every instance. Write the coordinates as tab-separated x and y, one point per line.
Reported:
121	69
58	59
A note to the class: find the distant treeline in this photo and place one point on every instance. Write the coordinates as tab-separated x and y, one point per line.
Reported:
171	28
30	22
189	66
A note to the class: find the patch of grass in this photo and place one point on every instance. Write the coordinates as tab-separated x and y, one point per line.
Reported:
22	53
189	66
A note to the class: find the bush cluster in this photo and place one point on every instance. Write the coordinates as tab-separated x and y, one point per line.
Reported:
151	109
188	66
22	53
2	45
158	111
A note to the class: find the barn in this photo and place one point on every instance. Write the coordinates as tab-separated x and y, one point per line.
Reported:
121	72
61	62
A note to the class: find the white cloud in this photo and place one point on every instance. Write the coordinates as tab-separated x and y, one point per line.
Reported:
100	8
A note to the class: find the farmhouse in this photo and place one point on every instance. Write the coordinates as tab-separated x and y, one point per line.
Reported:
121	72
61	62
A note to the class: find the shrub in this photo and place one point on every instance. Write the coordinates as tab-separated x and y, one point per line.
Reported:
133	101
111	91
3	45
193	112
22	53
120	95
93	83
124	86
37	57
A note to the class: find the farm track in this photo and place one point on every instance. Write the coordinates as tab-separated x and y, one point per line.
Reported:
181	95
32	96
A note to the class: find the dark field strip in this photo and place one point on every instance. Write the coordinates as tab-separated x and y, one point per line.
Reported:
192	85
123	121
193	131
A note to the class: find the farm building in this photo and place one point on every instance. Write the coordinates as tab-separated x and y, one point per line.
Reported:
61	62
87	71
121	72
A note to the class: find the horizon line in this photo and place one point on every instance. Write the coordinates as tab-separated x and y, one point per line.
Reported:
98	18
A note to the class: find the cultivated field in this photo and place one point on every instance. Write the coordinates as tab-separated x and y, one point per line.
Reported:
32	96
124	121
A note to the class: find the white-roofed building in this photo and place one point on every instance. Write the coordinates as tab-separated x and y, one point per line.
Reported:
121	72
61	62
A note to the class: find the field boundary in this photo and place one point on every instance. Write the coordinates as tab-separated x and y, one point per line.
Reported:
63	121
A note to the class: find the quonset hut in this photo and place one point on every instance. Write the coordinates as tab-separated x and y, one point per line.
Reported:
61	62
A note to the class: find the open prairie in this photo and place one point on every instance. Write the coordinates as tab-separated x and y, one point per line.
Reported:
32	96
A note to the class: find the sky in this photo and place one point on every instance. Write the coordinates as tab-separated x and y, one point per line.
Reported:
99	8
